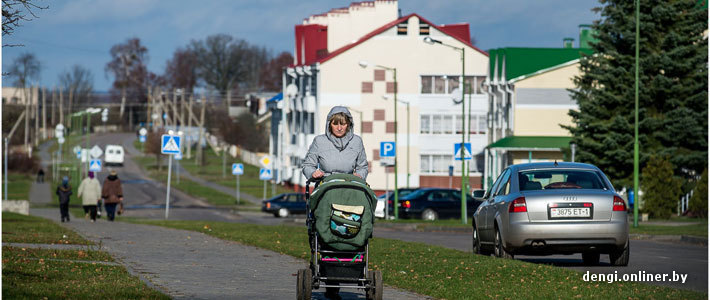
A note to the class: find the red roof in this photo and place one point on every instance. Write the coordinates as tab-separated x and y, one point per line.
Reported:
456	31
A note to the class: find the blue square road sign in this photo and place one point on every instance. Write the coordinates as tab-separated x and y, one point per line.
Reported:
238	169
387	149
170	144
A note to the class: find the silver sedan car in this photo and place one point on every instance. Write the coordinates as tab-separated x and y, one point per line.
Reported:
552	208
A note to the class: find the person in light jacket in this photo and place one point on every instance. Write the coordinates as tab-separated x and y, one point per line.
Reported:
339	150
64	192
112	194
90	194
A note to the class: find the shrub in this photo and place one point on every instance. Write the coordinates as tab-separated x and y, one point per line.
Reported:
661	190
19	162
699	201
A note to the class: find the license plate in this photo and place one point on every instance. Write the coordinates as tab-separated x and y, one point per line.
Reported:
569	212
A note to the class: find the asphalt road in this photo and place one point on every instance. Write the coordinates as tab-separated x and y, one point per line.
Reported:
144	199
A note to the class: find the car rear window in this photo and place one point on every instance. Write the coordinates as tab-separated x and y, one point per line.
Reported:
559	179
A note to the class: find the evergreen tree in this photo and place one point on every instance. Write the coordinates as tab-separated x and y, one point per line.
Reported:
661	191
673	99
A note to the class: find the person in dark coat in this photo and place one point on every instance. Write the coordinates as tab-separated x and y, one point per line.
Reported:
40	175
112	194
64	192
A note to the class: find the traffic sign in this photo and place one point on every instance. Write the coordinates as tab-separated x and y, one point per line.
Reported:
143	131
59	131
265	174
141	138
76	149
387	149
237	169
170	144
95	165
467	151
96	151
178	156
84	155
60	140
265	161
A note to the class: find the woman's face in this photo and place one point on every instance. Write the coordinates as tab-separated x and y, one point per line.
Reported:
338	129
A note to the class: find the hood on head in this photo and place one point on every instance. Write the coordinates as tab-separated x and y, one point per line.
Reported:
339	109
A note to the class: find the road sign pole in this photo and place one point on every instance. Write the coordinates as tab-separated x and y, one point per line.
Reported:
238	195
177	171
167	194
264	190
6	174
387	196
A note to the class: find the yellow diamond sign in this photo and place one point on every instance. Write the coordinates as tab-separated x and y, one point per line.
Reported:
265	161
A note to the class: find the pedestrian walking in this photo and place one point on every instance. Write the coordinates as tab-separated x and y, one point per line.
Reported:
40	175
90	194
112	195
64	192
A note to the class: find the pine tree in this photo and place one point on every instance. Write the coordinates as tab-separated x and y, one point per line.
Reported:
661	191
673	99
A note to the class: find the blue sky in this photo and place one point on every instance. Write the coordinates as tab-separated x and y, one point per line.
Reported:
82	31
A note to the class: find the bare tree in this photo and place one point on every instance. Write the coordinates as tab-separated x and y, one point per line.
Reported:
181	70
225	63
15	11
128	67
270	76
25	68
80	81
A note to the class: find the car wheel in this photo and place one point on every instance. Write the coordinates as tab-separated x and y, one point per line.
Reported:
620	257
429	215
590	258
499	250
283	212
477	249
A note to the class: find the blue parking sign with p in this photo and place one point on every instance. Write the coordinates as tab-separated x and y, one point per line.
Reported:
237	169
387	149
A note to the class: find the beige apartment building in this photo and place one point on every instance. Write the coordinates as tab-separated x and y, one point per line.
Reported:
330	52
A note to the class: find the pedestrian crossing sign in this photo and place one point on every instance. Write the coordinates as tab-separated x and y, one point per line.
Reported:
265	174
170	144
95	165
466	149
238	169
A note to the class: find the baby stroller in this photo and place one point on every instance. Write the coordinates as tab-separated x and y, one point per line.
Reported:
340	222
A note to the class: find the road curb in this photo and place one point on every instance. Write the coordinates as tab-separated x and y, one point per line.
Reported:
685	239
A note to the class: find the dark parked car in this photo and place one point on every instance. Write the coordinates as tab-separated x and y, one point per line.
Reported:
434	203
285	204
389	195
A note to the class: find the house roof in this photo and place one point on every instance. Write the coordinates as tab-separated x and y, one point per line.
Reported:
390	25
532	143
524	61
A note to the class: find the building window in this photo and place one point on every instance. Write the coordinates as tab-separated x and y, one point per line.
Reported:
367	87
402	28
379	75
390	127
436	163
390	87
425	124
436	125
448	124
459	123
439	85
482	124
366	127
427	84
453	83
423	29
379	115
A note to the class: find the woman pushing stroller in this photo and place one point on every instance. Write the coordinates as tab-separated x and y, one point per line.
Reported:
339	150
340	212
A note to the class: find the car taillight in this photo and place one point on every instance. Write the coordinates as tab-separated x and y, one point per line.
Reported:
389	202
268	205
407	204
518	205
619	204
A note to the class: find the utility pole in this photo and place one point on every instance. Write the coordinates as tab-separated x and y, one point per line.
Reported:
200	153
44	113
175	111
54	102
189	125
70	108
61	108
27	119
35	136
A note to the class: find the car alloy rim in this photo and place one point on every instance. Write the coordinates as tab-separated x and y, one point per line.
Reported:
428	215
475	239
498	244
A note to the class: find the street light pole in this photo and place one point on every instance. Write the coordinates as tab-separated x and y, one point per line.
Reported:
636	125
364	64
432	41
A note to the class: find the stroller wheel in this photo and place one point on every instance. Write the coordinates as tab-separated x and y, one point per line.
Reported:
375	291
304	284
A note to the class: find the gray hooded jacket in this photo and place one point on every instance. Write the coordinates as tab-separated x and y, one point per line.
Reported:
332	154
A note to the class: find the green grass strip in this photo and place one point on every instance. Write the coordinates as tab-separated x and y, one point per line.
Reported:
700	229
18	186
17	228
37	274
441	272
79	255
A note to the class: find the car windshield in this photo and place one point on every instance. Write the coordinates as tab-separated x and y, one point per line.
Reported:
559	179
414	194
389	194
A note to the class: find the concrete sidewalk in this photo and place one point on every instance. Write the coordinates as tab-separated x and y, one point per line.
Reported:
191	265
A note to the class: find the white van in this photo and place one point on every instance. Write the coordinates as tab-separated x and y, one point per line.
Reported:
114	155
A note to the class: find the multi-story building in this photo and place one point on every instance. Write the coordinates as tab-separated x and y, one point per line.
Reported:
529	102
327	71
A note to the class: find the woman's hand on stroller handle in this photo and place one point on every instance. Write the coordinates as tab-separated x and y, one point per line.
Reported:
317	174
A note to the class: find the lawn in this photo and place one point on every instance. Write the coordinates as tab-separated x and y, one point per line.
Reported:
440	272
700	229
29	273
18	186
18	228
